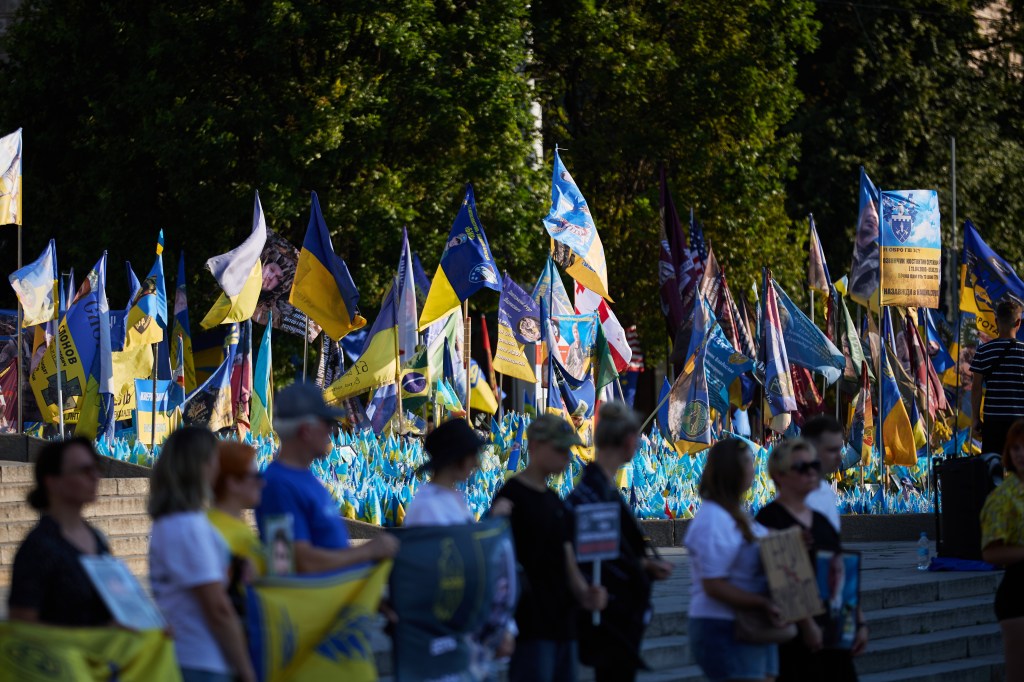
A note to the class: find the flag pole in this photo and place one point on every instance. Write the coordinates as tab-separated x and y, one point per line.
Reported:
305	347
468	334
152	429
59	359
953	303
21	365
398	379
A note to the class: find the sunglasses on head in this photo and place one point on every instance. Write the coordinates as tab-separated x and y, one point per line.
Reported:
806	467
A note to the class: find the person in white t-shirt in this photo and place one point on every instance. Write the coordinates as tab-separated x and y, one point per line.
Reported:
188	563
826	435
727	574
454	452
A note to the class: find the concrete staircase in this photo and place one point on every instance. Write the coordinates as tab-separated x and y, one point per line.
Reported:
120	513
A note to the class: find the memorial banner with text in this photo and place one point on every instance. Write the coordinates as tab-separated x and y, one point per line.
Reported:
911	248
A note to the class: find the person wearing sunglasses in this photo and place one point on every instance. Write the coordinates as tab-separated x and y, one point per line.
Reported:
304	424
48	583
796	470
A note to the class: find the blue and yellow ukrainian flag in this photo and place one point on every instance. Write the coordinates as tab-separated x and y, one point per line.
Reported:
147	318
378	363
466	265
481	397
240	275
210	404
323	287
96	409
43	653
36	287
985	279
181	332
261	419
575	244
897	430
10	179
311	628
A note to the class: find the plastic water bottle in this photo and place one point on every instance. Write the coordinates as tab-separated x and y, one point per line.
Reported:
923	552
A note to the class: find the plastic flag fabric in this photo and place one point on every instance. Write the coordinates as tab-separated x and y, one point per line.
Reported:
311	628
863	282
239	274
323	287
575	245
36	288
518	324
806	345
466	265
817	269
378	363
147	317
10	179
408	334
261	420
777	383
181	332
588	301
985	279
96	415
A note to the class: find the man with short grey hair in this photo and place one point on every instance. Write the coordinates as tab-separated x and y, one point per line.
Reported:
304	424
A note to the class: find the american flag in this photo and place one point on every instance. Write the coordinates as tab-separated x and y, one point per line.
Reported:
697	239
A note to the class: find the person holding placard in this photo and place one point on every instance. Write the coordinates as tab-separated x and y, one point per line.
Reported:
796	471
48	583
727	574
188	562
612	645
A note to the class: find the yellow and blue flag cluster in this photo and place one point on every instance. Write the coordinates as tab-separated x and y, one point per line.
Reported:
778	383
985	279
36	288
323	287
518	324
181	332
898	438
147	317
466	265
378	363
261	419
239	273
575	244
96	409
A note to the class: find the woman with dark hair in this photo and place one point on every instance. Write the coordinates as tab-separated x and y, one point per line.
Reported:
48	583
727	575
1002	543
188	562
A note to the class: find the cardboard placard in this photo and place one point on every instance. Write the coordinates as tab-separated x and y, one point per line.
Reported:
128	603
791	579
597	531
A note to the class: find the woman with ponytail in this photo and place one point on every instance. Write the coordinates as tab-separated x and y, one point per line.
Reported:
48	583
726	570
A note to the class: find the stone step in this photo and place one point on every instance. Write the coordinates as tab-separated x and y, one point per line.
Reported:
111	526
898	653
109	487
687	673
137	564
974	669
930	617
16	472
913	589
113	505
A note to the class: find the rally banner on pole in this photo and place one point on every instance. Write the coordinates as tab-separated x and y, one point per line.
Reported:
911	248
454	589
168	416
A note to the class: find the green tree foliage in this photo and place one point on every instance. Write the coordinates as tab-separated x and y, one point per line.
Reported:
702	87
886	89
139	116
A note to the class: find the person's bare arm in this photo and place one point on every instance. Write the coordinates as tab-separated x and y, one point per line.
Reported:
310	559
722	590
226	627
1002	554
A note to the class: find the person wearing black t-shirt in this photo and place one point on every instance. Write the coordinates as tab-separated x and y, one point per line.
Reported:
795	468
48	583
998	369
552	585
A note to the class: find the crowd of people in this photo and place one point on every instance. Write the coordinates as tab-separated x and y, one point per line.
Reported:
204	550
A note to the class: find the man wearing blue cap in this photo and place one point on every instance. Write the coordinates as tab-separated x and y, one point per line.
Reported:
304	424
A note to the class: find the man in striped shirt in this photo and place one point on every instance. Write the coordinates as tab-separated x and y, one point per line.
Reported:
998	367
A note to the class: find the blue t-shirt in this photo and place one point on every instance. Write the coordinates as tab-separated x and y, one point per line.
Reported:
298	492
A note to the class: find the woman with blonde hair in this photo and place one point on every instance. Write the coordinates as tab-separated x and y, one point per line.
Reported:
188	562
794	466
1002	543
727	575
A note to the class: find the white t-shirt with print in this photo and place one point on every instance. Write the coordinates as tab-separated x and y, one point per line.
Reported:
186	551
824	501
717	550
436	505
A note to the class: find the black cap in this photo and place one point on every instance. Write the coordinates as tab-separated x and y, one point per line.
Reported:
449	443
303	400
